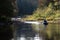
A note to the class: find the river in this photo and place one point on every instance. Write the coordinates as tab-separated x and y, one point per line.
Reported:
26	31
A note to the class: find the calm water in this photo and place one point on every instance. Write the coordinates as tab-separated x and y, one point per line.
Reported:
26	31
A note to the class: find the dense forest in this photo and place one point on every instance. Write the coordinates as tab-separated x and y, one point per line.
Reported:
43	9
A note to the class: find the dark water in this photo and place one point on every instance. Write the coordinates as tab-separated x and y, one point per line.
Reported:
31	30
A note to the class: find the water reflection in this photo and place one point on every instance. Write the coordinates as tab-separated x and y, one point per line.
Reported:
26	31
30	38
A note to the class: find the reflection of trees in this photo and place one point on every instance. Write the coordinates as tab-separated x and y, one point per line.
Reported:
52	31
24	29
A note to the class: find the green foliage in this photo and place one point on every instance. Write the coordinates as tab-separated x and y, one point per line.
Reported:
49	12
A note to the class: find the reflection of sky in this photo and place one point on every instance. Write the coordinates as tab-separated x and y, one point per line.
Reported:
26	6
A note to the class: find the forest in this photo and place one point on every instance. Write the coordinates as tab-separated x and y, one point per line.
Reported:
45	10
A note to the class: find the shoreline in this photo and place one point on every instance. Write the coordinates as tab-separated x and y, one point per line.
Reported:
51	21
